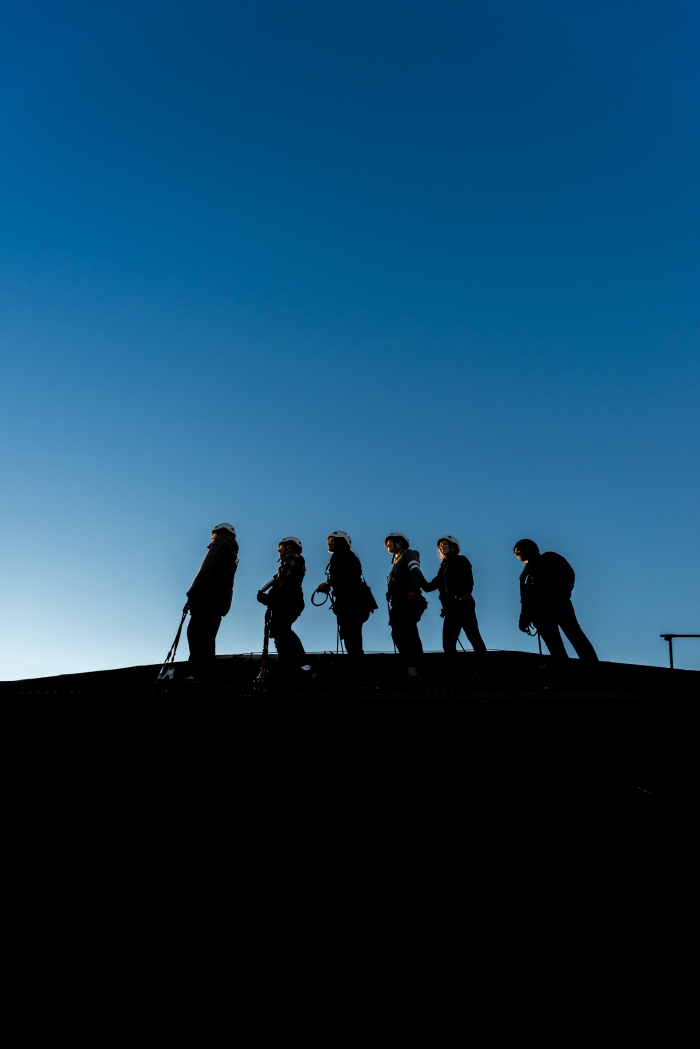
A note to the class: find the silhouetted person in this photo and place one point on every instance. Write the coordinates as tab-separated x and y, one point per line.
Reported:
286	603
455	582
209	598
546	583
348	590
406	603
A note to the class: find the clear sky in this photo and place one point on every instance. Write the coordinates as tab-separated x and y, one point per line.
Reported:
378	265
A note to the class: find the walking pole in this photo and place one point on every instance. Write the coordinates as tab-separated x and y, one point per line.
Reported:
262	674
168	665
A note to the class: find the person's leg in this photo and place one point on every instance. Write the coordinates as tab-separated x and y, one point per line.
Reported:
403	633
471	629
289	647
451	627
413	646
351	633
281	634
201	637
296	649
549	632
395	626
569	623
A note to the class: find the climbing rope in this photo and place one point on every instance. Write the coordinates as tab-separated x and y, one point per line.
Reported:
532	634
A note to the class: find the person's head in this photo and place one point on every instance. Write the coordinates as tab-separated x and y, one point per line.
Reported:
339	542
289	545
223	529
526	550
395	542
447	546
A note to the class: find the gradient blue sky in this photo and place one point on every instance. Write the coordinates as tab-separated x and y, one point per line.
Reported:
371	266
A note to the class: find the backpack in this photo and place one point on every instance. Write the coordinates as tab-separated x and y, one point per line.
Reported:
366	600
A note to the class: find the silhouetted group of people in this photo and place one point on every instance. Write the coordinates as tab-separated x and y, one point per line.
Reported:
546	584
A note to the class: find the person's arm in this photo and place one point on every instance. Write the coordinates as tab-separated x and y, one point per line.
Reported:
414	573
525	602
354	569
466	580
214	560
428	587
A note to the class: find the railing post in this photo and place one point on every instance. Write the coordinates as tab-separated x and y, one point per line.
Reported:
669	638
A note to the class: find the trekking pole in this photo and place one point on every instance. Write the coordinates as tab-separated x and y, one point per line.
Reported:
262	674
170	658
459	642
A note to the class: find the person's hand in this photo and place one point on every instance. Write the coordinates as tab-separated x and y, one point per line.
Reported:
467	599
524	623
187	607
323	588
411	596
263	598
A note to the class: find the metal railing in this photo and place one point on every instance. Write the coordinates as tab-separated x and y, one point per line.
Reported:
669	638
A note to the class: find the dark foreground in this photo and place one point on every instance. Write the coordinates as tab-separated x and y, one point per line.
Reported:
346	776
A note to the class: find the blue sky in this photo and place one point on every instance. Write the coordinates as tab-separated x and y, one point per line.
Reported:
369	266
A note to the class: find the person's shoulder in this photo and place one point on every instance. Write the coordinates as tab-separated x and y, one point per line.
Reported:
556	563
464	560
552	557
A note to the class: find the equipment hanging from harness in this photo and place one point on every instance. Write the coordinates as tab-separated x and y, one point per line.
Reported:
533	633
167	671
319	604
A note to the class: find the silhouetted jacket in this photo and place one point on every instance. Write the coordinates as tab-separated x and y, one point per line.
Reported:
286	594
405	575
344	573
544	581
212	587
453	581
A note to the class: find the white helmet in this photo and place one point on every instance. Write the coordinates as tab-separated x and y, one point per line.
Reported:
224	527
291	539
450	539
397	535
341	535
